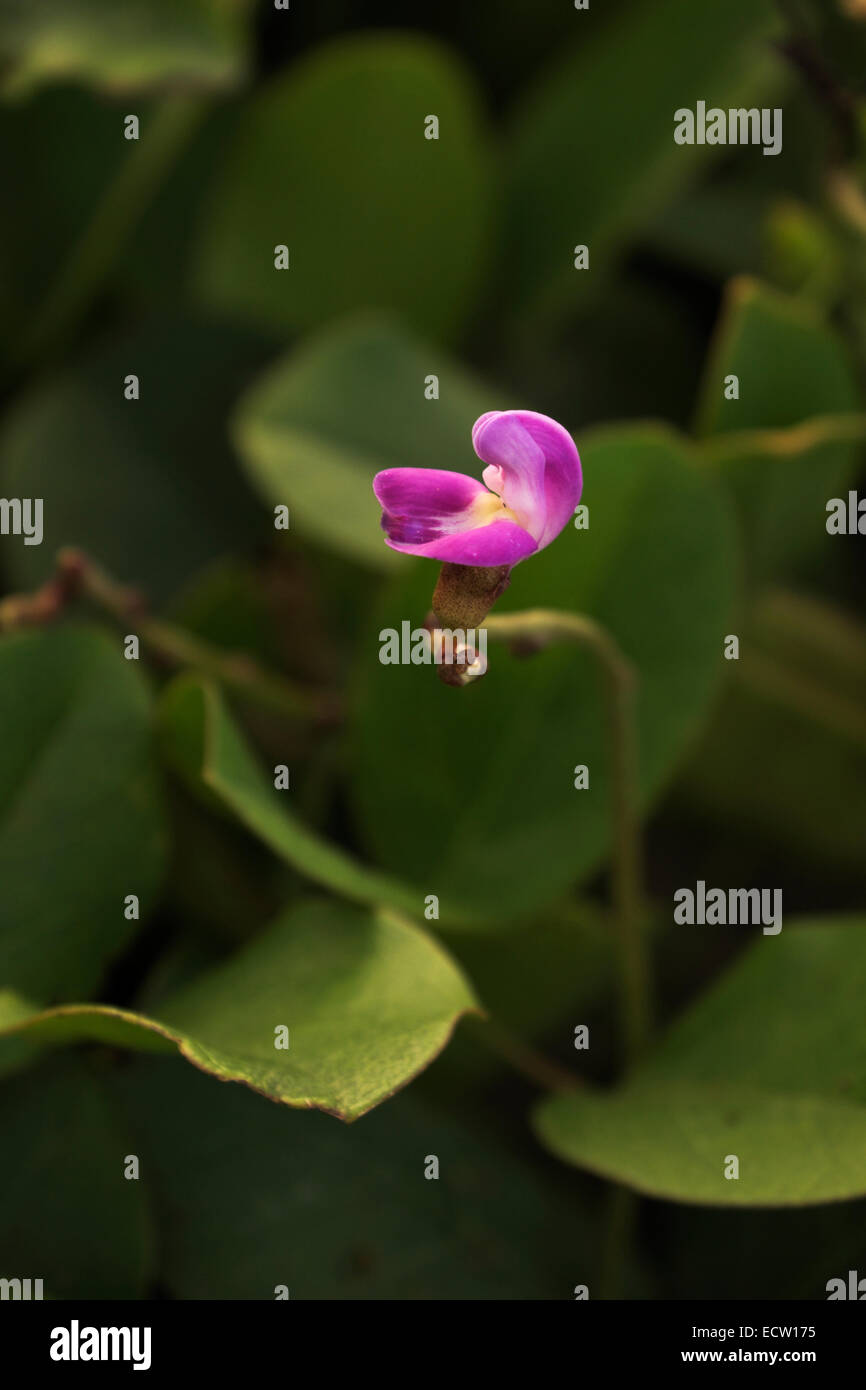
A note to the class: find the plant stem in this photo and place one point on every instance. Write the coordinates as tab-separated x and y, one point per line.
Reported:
77	576
539	626
123	203
525	1059
622	1206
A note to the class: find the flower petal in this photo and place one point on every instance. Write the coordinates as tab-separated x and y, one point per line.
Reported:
421	504
533	463
447	516
498	543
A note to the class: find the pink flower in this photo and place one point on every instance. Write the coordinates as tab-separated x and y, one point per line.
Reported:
533	484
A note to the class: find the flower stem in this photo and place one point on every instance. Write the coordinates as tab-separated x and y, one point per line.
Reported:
525	1060
537	627
540	626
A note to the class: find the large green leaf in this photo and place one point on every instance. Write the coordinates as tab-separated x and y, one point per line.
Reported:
205	746
368	999
250	1197
148	486
769	1067
586	167
68	1215
332	161
470	793
80	824
321	423
139	43
790	441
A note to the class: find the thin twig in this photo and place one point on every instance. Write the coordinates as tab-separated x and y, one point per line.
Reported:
76	576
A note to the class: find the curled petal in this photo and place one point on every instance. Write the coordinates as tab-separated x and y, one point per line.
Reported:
447	516
533	465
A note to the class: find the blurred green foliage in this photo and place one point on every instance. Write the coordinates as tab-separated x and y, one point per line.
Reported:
412	259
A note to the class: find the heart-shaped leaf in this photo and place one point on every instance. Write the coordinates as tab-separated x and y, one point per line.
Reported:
333	162
332	1008
768	1069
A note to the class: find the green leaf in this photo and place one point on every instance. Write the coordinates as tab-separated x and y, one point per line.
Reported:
80	823
68	1215
332	161
252	1197
323	421
171	499
800	684
770	1067
369	1000
585	167
205	746
790	442
139	44
791	366
471	792
782	481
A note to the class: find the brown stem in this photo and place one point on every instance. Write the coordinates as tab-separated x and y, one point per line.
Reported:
77	576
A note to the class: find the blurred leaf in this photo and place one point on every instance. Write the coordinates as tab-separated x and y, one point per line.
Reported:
471	792
203	743
148	487
128	46
322	422
782	481
120	214
790	365
713	230
791	369
369	1000
586	167
800	685
763	1068
80	824
803	252
68	1215
656	337
331	160
251	1197
226	605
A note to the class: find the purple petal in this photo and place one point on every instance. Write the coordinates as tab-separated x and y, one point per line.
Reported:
533	465
447	516
498	543
420	505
